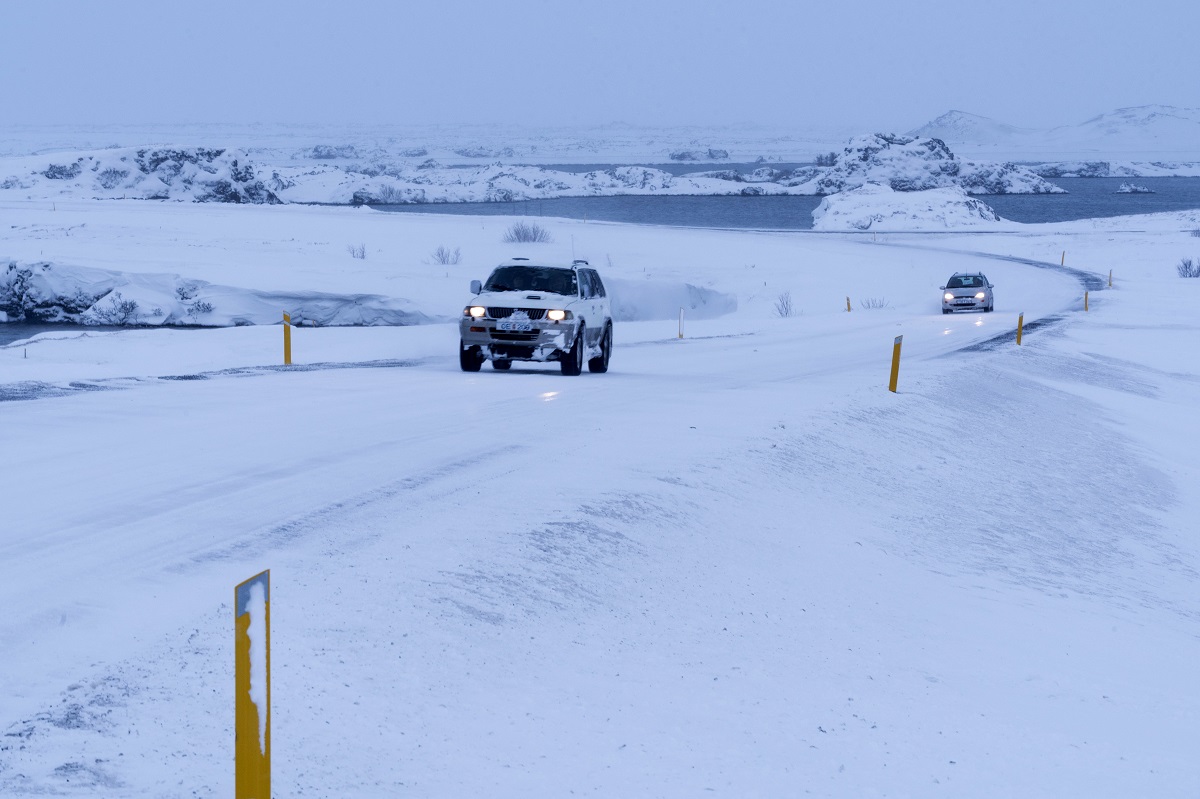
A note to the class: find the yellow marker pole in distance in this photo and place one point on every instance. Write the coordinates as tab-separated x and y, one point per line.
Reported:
287	339
1085	304
847	305
252	687
895	364
1020	327
1063	262
681	323
1110	278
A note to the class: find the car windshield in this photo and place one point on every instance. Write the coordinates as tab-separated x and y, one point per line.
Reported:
533	278
965	282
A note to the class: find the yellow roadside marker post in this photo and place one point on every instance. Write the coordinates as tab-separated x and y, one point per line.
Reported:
252	687
1085	303
895	364
1063	262
681	323
847	305
287	339
1110	278
1020	327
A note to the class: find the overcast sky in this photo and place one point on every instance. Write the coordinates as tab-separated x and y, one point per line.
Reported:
773	63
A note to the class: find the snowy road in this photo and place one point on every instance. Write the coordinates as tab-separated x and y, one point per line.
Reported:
735	564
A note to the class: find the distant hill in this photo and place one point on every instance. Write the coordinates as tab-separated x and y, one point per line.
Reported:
1148	132
959	127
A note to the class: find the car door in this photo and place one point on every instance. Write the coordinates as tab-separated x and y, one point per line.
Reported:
587	304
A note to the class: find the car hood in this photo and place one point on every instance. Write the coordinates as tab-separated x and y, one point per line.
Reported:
521	299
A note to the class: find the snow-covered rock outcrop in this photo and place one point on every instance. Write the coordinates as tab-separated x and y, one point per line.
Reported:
915	164
46	292
197	174
343	175
878	207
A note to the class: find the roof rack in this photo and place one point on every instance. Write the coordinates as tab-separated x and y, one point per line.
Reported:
579	261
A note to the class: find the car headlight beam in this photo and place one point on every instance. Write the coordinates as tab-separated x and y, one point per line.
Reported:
558	315
947	296
980	296
475	311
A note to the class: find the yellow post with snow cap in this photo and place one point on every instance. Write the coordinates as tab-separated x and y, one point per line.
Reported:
847	305
252	687
1020	327
895	364
681	323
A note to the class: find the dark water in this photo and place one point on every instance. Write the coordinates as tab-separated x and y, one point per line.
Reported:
1097	197
1087	198
16	331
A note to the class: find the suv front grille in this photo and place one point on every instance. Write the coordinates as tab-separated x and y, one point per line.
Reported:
503	313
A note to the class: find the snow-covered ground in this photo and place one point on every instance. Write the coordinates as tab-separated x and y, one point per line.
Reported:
735	565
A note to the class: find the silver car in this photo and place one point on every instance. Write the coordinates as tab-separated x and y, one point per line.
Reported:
533	312
967	291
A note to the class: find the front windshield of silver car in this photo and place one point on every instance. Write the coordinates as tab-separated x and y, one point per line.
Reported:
533	278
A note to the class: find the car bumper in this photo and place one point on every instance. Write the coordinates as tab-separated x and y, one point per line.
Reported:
973	305
546	341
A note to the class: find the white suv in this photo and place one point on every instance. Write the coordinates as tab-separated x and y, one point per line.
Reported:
531	312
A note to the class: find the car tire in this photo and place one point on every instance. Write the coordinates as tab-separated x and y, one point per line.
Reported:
599	364
501	364
945	310
988	309
469	358
572	363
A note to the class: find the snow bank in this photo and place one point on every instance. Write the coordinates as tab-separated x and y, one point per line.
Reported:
49	292
197	174
876	207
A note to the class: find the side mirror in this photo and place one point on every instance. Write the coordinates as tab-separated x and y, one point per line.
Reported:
476	287
991	286
943	288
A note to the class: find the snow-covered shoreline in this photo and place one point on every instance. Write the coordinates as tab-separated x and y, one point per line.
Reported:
331	175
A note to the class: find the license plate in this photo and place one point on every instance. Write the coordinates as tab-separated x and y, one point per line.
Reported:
514	325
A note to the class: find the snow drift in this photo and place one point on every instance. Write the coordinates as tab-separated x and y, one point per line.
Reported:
876	207
48	292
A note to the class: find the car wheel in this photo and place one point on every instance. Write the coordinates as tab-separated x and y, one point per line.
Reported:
469	358
989	309
572	364
599	364
945	310
501	364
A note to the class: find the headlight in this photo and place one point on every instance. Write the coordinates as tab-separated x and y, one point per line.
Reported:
476	311
947	296
980	296
557	315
